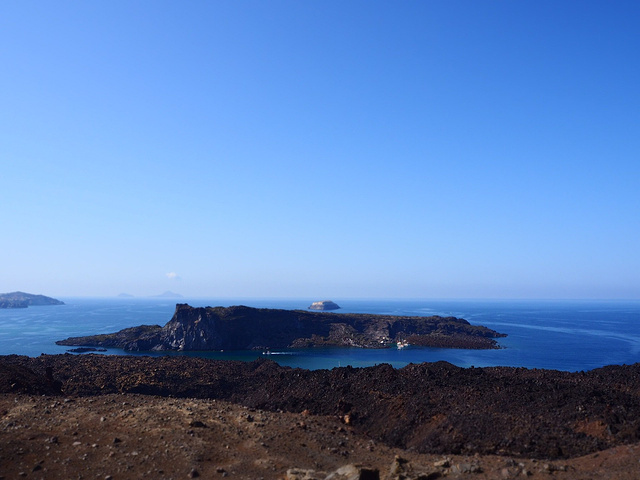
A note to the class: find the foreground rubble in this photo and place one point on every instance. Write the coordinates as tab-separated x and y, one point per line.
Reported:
124	436
176	417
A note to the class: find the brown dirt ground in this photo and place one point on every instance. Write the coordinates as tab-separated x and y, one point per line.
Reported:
125	436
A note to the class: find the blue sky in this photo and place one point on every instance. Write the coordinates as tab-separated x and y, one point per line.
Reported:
321	149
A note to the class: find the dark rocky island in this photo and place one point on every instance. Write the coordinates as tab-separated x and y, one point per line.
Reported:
246	328
24	300
324	305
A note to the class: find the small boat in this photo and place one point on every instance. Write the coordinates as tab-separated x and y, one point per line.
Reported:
402	344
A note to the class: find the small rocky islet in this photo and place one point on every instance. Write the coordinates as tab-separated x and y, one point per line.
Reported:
324	305
247	328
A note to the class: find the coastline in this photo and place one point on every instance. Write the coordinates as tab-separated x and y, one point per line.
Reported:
561	335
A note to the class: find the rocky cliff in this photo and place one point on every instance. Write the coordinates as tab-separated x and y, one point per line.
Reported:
246	328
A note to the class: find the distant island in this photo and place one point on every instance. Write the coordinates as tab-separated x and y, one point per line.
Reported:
246	328
168	294
324	305
24	300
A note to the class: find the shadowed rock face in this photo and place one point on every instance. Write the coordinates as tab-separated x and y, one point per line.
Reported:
245	328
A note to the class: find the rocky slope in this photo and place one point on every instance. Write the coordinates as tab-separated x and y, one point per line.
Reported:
23	300
432	408
126	436
245	328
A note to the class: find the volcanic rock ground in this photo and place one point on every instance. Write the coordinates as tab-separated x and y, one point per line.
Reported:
176	417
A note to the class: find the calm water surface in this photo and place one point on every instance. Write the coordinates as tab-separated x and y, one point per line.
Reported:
563	335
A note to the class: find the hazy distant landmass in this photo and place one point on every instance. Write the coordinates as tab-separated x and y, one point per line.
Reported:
24	300
168	294
246	328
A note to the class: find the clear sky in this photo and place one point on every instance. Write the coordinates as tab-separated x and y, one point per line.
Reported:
320	149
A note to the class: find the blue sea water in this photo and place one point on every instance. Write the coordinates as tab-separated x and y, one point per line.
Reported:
562	335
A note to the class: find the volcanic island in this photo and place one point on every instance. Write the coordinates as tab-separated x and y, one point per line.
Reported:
247	328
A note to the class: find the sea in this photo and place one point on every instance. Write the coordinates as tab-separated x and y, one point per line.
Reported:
569	335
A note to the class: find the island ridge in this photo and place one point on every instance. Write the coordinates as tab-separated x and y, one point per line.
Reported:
246	328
